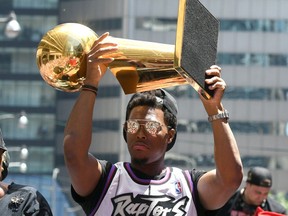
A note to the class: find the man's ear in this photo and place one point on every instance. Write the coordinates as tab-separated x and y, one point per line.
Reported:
171	134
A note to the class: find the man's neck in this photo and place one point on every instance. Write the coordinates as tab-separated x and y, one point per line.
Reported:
244	196
149	174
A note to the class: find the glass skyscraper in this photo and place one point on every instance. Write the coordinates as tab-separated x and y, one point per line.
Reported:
252	52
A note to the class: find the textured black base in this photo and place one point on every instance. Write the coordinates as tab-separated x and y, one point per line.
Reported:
199	47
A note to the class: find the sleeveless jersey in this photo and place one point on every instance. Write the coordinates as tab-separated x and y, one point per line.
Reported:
126	194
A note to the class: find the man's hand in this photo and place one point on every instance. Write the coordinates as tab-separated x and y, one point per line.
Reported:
96	63
217	84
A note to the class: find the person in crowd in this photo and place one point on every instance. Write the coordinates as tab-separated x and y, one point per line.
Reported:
254	195
144	185
17	199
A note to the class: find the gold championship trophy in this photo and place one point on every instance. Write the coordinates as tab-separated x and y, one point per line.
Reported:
138	65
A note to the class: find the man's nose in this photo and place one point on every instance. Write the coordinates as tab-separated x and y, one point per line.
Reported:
141	133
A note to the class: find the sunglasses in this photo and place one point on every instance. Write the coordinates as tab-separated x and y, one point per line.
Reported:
132	126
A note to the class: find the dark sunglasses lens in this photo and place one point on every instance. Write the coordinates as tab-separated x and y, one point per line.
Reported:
152	127
132	126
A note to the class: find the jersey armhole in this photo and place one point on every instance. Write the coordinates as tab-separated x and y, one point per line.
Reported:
195	175
109	171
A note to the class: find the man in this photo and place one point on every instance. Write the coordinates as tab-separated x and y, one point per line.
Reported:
254	195
145	186
16	199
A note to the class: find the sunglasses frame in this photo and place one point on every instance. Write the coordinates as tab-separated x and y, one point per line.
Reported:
146	126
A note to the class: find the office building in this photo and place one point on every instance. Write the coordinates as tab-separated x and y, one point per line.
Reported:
252	52
24	94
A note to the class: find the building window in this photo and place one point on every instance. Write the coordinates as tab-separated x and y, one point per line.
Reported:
170	24
5	63
40	127
156	24
104	24
34	161
47	4
267	128
106	125
26	93
236	93
34	27
253	59
254	25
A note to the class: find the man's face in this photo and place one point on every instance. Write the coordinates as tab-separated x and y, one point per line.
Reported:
148	142
254	195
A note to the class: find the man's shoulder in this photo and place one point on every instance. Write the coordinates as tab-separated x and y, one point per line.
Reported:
20	193
197	174
19	187
275	206
26	198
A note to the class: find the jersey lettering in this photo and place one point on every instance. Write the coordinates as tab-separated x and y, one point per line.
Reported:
143	205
